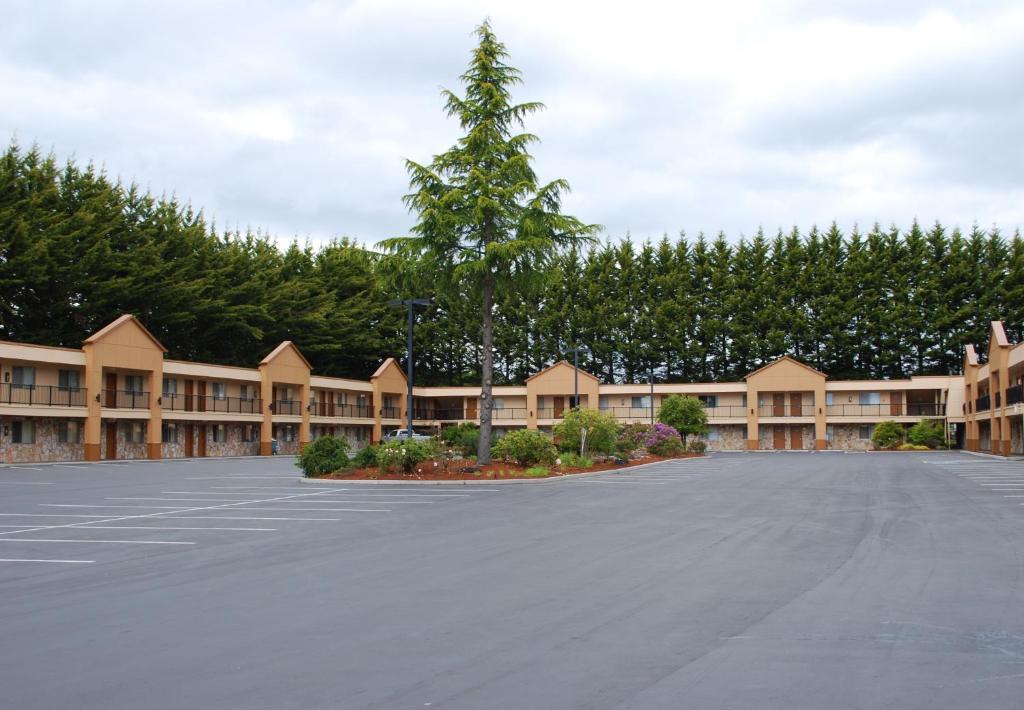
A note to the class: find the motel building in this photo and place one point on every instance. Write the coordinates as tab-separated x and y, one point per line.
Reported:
118	397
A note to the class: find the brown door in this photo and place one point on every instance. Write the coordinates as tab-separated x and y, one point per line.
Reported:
796	437
111	388
896	404
559	406
201	385
795	405
111	440
778	406
188	396
188	438
780	436
202	439
471	408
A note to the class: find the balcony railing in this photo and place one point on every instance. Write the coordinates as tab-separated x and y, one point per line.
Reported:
174	402
42	395
898	409
1015	395
982	404
787	410
389	412
727	410
288	407
334	409
125	399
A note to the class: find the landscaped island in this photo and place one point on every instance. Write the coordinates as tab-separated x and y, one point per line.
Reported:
587	440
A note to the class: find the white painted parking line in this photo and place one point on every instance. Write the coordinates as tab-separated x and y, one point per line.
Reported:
117	542
21	468
63	562
52	515
246	517
325	510
27	483
87	526
179	508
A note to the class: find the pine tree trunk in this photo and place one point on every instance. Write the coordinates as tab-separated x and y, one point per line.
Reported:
483	455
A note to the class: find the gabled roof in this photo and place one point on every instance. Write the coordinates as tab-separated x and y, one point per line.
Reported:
385	365
971	355
784	358
997	334
114	325
560	363
281	348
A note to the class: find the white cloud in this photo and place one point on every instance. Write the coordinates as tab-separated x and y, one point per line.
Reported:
297	117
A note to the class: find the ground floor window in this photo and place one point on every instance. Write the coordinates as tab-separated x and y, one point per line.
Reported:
713	433
136	433
169	433
23	432
69	432
830	432
866	430
287	432
250	433
220	433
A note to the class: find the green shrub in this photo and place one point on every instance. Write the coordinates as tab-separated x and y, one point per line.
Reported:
366	457
325	454
536	472
697	446
664	440
574	460
463	438
586	431
684	414
929	433
888	434
403	454
527	447
913	447
631	437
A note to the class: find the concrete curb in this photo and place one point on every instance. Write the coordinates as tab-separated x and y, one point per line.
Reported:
998	457
490	481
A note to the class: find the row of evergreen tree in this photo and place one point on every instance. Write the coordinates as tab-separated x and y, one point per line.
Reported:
78	249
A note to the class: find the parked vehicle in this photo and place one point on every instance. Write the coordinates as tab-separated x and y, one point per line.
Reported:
402	435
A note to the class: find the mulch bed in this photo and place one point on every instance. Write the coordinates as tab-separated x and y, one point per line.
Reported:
435	470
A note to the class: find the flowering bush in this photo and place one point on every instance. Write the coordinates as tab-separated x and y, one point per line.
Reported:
405	454
663	440
631	437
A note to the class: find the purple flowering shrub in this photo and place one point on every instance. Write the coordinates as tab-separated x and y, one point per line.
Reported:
663	440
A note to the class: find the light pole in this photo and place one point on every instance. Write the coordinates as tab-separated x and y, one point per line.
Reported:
411	303
576	371
651	379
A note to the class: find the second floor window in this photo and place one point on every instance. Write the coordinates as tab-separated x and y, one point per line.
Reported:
170	385
870	398
641	402
245	392
23	377
499	403
69	379
219	390
133	383
709	400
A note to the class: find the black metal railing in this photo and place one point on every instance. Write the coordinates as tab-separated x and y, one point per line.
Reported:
727	410
289	407
174	402
895	409
42	395
982	404
125	399
334	409
448	414
1014	395
787	410
389	412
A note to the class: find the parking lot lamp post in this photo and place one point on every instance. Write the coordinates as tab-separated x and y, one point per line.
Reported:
651	379
576	371
411	303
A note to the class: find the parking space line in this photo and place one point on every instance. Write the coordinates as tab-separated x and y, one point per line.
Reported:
65	562
243	517
27	483
168	527
118	542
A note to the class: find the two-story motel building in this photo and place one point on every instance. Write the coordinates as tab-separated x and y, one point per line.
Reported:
118	397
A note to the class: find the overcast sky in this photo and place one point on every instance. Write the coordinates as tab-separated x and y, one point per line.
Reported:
295	117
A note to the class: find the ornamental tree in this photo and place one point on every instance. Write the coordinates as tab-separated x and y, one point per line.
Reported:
684	414
486	227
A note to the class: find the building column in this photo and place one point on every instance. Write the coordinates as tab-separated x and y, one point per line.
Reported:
267	423
154	429
753	428
304	434
93	403
820	419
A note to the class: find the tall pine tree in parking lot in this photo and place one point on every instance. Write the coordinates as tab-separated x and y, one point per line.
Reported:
483	217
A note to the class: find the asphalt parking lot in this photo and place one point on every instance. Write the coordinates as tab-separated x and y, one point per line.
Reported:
789	580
